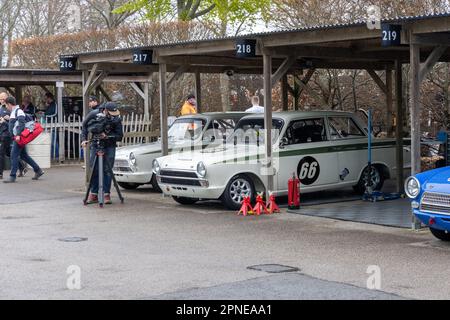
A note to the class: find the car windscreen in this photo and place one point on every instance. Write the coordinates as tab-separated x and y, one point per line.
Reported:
252	131
186	129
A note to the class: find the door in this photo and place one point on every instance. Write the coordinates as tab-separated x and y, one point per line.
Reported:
305	152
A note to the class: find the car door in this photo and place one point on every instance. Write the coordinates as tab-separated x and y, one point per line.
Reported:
350	144
305	152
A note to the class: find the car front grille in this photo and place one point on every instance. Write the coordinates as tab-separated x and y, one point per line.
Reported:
435	203
179	174
179	178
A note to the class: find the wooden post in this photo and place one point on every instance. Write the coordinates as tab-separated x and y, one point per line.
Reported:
147	101
284	93
198	90
416	165
399	125
60	115
389	103
415	109
268	121
163	108
87	150
297	94
18	94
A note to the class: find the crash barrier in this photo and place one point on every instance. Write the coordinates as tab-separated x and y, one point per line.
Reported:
260	208
65	136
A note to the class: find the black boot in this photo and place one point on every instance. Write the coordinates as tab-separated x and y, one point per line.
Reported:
37	175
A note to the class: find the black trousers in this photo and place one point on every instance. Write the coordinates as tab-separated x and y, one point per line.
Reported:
5	151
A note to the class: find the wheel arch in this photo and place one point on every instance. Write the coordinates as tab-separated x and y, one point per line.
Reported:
257	182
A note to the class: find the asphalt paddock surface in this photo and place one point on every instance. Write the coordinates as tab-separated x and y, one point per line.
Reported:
153	248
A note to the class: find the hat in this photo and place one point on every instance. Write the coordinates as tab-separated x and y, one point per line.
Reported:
191	96
112	109
93	98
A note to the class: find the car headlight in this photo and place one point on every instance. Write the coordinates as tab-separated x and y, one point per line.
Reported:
156	167
133	160
201	169
412	187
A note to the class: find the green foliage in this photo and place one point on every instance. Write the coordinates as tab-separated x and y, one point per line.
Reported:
223	11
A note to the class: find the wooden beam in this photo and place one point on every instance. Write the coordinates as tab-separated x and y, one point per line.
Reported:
433	39
399	125
104	93
284	93
164	110
415	109
282	70
434	57
389	103
180	71
198	91
306	79
90	77
138	89
377	80
97	81
268	122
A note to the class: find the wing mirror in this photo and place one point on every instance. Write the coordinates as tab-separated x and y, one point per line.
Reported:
284	142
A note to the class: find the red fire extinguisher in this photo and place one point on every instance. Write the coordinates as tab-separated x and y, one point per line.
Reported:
294	193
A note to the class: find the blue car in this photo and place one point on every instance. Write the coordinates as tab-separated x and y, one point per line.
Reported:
430	195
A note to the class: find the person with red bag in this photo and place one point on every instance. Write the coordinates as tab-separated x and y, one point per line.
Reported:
17	123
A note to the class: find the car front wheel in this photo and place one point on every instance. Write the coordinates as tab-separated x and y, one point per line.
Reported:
129	186
240	187
440	234
155	185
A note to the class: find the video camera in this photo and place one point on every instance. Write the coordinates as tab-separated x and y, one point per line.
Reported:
100	124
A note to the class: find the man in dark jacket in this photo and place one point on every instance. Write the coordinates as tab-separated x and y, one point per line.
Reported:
16	125
5	138
111	133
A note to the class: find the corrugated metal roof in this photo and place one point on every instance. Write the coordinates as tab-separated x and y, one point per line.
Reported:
358	23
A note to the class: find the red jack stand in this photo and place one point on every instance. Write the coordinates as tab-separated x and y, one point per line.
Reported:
272	206
246	207
260	207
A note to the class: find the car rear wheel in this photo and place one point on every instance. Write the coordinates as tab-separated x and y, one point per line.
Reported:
240	187
155	185
185	201
440	234
129	186
376	177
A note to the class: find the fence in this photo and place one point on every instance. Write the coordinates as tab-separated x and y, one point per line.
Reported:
66	136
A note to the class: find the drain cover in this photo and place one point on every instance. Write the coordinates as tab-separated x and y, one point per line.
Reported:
73	239
274	268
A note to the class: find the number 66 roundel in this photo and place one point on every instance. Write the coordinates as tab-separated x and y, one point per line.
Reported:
308	171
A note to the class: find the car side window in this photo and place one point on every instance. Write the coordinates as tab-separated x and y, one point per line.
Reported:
220	129
306	131
344	128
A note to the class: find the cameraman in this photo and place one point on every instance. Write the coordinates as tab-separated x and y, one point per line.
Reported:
105	125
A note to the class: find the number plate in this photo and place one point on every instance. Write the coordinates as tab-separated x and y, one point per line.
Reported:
391	35
246	48
143	57
68	63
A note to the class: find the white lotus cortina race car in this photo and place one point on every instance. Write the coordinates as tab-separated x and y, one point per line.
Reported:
326	150
133	164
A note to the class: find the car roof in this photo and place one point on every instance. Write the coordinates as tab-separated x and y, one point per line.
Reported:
292	115
215	115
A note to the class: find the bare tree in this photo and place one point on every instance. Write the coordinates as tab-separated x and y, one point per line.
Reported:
104	10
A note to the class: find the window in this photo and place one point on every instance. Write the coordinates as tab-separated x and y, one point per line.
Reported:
219	129
306	131
344	128
252	131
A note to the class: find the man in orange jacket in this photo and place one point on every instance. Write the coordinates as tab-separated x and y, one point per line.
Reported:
190	106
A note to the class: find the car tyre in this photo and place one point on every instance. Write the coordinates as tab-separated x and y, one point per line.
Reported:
185	201
155	184
129	186
440	234
377	179
237	187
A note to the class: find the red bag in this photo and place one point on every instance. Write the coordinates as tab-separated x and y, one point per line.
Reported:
27	136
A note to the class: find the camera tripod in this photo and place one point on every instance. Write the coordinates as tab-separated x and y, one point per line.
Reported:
101	164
